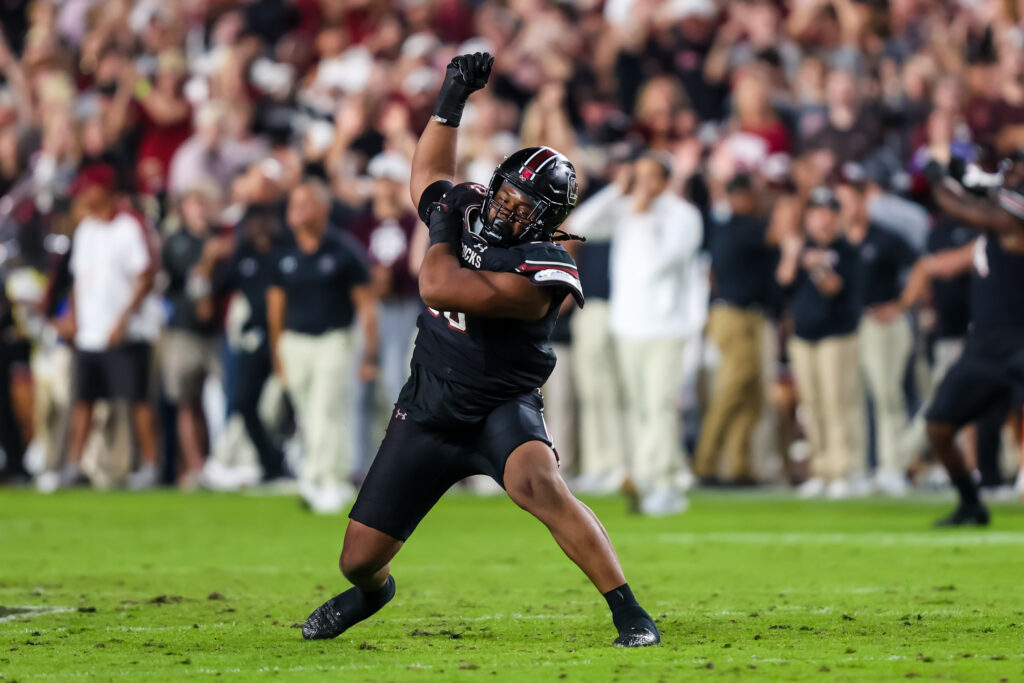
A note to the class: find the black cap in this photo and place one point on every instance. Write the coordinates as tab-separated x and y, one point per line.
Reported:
823	196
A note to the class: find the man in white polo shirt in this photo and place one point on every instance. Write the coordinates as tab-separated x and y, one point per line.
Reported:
657	301
116	317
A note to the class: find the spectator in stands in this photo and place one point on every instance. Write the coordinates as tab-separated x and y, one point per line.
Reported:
655	236
385	230
211	153
318	288
824	275
158	112
190	351
885	337
248	271
743	261
602	425
115	317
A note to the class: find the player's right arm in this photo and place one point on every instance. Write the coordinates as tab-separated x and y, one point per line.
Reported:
433	163
1003	216
446	286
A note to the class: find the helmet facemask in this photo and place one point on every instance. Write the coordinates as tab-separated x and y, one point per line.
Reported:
499	219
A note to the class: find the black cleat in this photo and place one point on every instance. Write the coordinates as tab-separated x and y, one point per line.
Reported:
635	627
638	635
344	611
326	621
966	515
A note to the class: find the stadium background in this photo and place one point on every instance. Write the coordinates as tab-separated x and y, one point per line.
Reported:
252	96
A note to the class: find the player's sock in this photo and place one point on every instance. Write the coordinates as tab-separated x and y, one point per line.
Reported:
967	489
970	511
344	611
634	624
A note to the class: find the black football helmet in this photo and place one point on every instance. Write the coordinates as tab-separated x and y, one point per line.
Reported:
547	178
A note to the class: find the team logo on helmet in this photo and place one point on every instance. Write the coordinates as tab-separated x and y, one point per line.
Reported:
572	190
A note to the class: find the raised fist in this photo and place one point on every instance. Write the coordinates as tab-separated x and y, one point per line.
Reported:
465	75
470	71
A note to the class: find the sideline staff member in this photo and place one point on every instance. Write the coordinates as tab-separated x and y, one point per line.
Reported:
825	274
319	285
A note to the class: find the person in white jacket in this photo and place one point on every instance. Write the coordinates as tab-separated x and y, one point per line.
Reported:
655	291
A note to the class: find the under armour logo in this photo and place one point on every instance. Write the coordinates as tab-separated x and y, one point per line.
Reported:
400	415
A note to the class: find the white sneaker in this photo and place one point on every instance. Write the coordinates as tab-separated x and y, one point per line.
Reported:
891	483
482	485
838	489
663	502
685	480
812	488
48	482
584	483
997	494
143	478
217	477
332	499
859	486
247	475
936	478
598	484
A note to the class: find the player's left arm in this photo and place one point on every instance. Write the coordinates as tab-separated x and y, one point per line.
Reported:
433	162
446	286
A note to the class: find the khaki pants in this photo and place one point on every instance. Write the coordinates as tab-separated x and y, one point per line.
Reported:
832	403
602	424
738	393
884	352
317	375
560	409
652	376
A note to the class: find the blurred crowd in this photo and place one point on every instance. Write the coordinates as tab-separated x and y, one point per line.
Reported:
209	256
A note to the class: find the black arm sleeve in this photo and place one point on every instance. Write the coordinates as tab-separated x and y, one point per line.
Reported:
433	193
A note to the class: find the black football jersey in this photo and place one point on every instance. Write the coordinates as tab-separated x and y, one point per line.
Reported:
500	357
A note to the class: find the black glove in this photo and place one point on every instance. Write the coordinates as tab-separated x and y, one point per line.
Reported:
934	172
465	75
445	226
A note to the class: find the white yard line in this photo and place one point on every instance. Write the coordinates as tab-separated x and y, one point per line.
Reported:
34	611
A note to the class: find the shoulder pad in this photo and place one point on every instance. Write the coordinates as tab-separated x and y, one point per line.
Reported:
550	265
544	253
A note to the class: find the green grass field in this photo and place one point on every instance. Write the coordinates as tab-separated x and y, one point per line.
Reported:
165	586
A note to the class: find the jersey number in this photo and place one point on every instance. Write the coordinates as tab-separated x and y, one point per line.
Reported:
456	321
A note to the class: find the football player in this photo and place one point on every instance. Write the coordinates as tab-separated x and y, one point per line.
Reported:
493	279
990	372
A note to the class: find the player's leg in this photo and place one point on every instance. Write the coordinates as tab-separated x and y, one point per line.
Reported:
532	480
969	389
413	468
366	562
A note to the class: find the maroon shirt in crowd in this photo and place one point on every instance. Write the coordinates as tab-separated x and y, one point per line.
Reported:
387	242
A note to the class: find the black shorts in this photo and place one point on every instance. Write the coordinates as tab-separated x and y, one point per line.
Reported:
988	374
421	456
119	373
